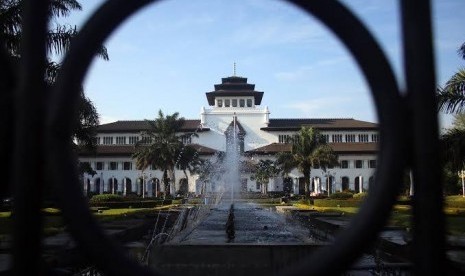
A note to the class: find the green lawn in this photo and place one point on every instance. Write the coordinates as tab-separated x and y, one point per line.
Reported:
53	222
401	215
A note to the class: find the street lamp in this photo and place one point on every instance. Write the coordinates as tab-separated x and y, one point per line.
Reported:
462	176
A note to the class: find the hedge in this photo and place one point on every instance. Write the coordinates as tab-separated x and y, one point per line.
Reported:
341	195
131	204
455	204
337	203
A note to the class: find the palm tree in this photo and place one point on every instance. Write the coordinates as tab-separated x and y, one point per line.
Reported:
58	39
309	150
451	97
162	149
263	171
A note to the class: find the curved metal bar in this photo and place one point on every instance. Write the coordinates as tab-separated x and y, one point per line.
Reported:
331	260
106	254
373	214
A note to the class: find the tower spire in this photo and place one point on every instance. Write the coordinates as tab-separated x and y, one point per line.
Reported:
234	69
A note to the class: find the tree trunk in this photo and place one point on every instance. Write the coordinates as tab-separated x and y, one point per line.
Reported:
166	183
173	180
306	174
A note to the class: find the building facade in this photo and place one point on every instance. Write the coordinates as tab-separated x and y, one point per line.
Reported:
235	102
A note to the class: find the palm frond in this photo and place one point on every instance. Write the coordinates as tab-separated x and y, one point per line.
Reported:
451	98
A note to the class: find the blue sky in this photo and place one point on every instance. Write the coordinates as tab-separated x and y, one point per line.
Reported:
172	52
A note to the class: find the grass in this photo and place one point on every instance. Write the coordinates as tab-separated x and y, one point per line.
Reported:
401	215
54	224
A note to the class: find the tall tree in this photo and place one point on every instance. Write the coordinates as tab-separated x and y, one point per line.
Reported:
451	97
58	40
309	150
163	149
263	171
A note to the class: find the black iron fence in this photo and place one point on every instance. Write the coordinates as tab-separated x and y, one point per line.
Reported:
38	130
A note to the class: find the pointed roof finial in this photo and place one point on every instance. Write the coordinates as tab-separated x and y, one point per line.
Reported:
234	69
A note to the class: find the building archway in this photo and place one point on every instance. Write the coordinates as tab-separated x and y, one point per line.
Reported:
301	186
287	185
183	186
113	185
127	186
345	183
98	184
88	186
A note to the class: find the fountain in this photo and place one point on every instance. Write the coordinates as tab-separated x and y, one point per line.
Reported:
232	235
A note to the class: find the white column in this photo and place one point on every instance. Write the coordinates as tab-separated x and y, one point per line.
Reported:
360	181
124	186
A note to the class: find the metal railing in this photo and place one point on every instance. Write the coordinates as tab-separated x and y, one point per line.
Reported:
42	119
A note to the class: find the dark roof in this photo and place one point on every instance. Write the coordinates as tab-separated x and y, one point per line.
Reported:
340	148
143	125
128	150
339	124
234	86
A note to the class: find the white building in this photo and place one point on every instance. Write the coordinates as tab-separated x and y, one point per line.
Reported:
261	137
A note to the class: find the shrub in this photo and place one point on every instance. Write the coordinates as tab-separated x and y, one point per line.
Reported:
106	198
360	195
336	203
455	201
131	204
341	195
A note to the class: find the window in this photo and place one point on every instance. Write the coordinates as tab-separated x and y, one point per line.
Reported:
350	138
258	185
146	140
337	138
220	103
249	102
186	139
358	164
127	166
133	140
97	140
241	102
372	164
234	102
345	164
121	140
99	166
284	139
374	138
113	166
326	137
107	140
227	103
363	138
